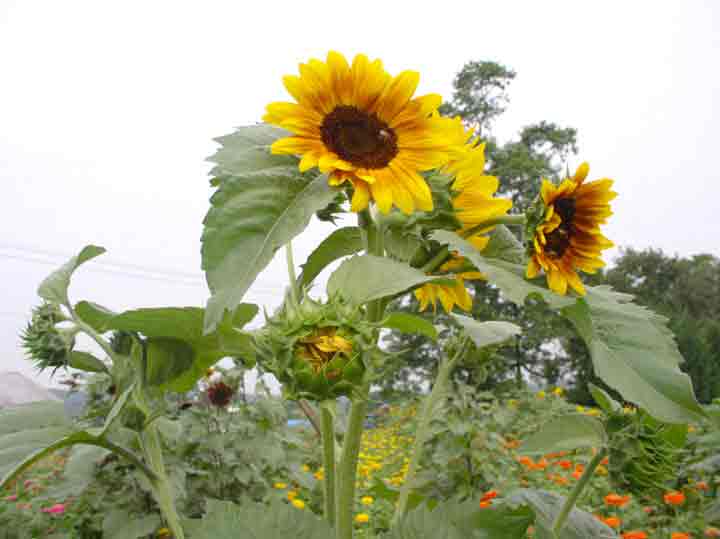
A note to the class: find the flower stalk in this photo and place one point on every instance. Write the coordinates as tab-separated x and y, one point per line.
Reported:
439	391
577	490
328	442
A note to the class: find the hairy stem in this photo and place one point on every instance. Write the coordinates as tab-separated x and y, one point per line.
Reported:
347	469
571	500
328	441
423	430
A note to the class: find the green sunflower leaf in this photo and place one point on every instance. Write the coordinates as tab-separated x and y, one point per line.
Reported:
632	349
55	287
487	333
565	433
225	520
262	202
546	506
367	277
94	315
504	245
341	243
83	361
179	353
409	323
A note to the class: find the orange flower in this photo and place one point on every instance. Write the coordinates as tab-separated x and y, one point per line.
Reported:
674	498
615	500
540	464
556	455
702	485
486	503
577	474
712	532
605	461
565	464
680	535
489	495
636	534
526	461
613	522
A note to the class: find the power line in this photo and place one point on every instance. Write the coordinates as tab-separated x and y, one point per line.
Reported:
146	273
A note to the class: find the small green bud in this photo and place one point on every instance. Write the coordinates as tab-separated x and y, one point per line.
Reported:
45	344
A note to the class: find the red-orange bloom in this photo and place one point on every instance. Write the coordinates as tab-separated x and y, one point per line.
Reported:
486	503
636	534
680	535
702	485
674	498
565	464
489	495
615	500
613	522
712	532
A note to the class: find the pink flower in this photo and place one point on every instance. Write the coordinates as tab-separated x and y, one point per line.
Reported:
28	483
57	509
11	498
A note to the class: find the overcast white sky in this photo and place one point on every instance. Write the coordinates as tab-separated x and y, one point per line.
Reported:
107	111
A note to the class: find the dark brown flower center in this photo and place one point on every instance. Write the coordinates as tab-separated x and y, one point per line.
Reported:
359	137
559	239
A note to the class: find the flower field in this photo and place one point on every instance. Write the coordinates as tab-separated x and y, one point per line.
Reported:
475	453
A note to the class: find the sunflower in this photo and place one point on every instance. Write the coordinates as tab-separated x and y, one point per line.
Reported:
474	204
569	237
318	349
360	125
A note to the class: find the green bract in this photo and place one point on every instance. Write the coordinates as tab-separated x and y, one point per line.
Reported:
316	350
46	345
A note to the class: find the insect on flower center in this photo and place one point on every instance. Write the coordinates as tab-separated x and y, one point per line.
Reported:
359	137
559	239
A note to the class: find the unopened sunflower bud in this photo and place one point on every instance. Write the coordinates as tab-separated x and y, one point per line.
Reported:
45	344
315	349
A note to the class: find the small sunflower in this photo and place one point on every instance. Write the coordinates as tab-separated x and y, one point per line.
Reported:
569	237
322	346
474	204
359	124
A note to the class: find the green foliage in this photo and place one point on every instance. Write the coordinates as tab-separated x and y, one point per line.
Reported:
408	323
119	524
364	278
55	287
340	243
487	333
225	520
46	345
84	361
262	202
566	433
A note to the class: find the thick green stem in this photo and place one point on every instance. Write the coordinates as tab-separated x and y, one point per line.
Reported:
422	433
162	488
328	441
347	470
518	219
571	500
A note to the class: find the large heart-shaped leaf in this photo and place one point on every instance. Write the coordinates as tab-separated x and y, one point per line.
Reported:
342	242
367	277
566	433
179	353
262	202
55	287
632	349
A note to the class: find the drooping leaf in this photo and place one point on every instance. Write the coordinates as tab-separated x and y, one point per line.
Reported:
84	361
78	473
546	506
504	245
454	520
566	433
119	524
179	353
55	287
631	347
364	278
409	323
487	333
94	315
634	355
509	277
278	520
603	400
342	242
262	202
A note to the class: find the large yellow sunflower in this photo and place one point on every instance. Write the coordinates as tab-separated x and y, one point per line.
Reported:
569	237
474	204
359	124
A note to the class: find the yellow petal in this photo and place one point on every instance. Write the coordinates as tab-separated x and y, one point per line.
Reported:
557	282
582	172
396	95
361	196
382	194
